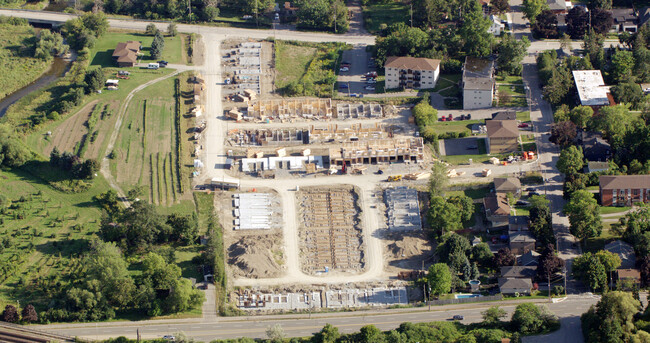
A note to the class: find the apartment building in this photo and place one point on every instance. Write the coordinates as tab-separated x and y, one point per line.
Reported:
411	72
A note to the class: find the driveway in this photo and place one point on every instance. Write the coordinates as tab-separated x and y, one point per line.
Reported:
459	146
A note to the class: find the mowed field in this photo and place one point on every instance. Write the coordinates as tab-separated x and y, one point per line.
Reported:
17	70
102	52
146	145
42	232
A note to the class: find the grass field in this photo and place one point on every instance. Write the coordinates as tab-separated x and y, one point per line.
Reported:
17	69
100	54
598	243
613	209
47	229
512	90
510	79
391	13
523	116
292	62
447	81
454	126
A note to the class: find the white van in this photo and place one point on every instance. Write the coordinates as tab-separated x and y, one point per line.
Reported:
153	66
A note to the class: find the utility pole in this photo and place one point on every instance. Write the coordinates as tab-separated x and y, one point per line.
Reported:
257	23
335	15
189	7
411	15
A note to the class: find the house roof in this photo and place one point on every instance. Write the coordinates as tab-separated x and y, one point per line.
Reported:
644	15
127	52
518	220
522	237
128	56
515	283
518	272
594	146
496	204
628	273
505	184
624	181
591	87
624	251
528	259
623	15
478	73
593	166
502	128
504	115
414	63
556	5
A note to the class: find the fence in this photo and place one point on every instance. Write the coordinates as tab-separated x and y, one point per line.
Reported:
466	300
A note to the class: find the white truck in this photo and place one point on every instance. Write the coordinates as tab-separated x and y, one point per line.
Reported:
153	66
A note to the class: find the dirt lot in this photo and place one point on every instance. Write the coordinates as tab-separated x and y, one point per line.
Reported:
252	253
231	68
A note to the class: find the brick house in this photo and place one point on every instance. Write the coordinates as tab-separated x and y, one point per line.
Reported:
624	190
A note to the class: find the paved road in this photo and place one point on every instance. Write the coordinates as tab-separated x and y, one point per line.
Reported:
302	325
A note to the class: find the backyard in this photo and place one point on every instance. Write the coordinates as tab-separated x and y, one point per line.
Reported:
389	13
101	53
17	70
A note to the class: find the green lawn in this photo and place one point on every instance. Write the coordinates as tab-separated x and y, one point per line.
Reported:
613	209
454	126
523	116
390	13
451	92
598	243
103	50
464	159
519	101
510	79
520	211
472	192
17	69
512	90
447	81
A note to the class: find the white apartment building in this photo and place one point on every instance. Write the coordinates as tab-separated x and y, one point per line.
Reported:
478	83
411	72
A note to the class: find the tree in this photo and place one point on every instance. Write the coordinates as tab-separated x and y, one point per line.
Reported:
559	85
532	8
612	121
493	315
577	22
97	23
571	160
322	15
329	334
500	6
511	53
157	45
151	30
29	314
612	319
184	228
588	269
275	333
451	243
628	92
439	279
94	80
593	47
504	257
563	133
172	30
622	65
482	254
371	334
107	265
10	314
49	44
427	13
601	4
527	319
424	114
476	273
610	261
13	152
541	225
580	115
443	216
438	180
465	206
549	264
601	20
584	215
474	32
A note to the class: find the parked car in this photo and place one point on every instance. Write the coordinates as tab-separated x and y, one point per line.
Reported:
371	81
169	337
369	88
462	117
344	69
522	203
469	116
530	189
458	317
343	85
163	63
530	194
277	17
522	125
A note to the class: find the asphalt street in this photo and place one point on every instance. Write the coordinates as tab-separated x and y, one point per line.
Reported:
303	325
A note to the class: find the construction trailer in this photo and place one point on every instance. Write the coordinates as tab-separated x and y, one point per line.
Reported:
379	151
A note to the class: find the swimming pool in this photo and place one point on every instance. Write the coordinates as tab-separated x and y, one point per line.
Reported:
463	296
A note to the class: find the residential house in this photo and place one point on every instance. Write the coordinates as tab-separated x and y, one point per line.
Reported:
502	136
496	26
593	167
518	224
504	115
288	10
630	274
624	190
625	251
625	20
518	272
522	242
644	16
476	241
507	185
126	53
497	209
478	83
528	259
558	6
411	72
594	147
513	286
591	89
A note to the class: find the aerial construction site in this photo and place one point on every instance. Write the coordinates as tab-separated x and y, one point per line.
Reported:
317	197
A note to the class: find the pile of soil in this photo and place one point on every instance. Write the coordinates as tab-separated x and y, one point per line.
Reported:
409	246
251	256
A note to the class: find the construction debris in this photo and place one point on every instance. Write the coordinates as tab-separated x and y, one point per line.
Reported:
365	297
378	151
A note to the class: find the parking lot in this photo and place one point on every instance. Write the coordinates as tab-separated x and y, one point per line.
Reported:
353	79
459	146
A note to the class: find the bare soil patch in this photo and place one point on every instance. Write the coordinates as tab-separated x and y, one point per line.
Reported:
254	256
71	131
